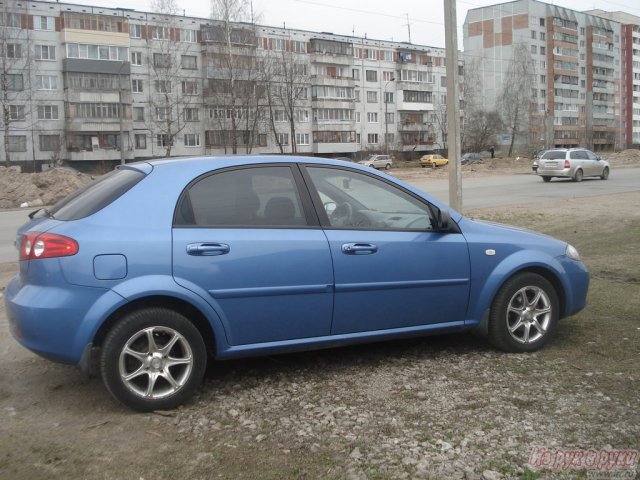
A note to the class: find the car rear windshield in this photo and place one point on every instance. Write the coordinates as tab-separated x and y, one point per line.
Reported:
97	195
554	155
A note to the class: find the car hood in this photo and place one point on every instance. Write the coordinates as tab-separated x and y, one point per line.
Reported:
486	231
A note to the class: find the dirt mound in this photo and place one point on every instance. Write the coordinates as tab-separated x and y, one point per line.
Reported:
36	189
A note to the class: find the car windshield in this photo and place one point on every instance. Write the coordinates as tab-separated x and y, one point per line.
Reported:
554	155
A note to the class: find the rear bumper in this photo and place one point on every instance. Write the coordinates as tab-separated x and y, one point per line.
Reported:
560	172
50	320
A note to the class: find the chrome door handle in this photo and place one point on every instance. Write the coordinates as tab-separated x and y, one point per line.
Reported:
207	249
359	248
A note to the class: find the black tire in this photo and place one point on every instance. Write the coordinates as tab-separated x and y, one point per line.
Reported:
546	179
537	301
578	176
605	174
159	385
387	166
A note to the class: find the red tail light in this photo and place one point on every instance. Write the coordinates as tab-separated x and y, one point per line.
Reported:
567	164
36	245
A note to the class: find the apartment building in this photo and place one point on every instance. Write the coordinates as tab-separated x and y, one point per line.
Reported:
89	84
581	81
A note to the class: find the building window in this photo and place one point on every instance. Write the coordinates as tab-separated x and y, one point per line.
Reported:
543	36
16	113
534	49
388	97
136	86
189	87
17	143
161	60
97	52
136	58
302	139
371	75
163	140
163	113
372	96
188	36
189	62
163	86
355	73
160	33
282	138
191	114
138	114
47	112
543	51
372	117
191	140
43	23
10	20
140	141
135	31
301	116
390	137
390	118
279	116
45	52
14	50
371	54
46	82
49	143
533	34
372	138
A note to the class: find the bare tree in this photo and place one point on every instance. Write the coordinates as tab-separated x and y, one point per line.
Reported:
232	82
482	128
516	93
172	91
15	64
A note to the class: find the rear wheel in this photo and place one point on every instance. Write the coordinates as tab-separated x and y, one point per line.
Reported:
387	166
154	359
546	179
523	314
578	176
605	173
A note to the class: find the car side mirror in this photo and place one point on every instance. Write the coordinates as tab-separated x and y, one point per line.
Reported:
444	220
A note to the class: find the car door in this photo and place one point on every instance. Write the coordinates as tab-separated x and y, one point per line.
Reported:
392	269
246	240
595	165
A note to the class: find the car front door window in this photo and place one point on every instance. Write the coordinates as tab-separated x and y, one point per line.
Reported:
355	200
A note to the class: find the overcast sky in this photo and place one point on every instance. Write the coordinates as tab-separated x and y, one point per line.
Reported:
378	19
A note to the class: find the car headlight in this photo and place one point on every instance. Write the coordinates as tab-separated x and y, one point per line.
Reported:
572	253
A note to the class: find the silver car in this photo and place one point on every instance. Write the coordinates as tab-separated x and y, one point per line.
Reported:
378	161
574	163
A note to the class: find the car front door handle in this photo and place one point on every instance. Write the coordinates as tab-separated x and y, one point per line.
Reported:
359	248
207	249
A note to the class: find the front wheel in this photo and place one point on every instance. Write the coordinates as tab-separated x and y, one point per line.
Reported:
154	359
546	179
387	166
524	314
605	173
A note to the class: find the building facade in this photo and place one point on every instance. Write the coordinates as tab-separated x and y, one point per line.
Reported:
85	85
583	71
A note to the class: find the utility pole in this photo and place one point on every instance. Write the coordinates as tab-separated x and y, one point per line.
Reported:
386	117
453	105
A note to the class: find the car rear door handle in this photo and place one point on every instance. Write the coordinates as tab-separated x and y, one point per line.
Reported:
207	249
359	248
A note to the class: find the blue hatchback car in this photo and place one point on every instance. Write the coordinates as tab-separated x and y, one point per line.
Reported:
159	267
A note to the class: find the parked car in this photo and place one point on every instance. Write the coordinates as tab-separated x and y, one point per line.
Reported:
378	161
471	158
160	267
433	161
574	163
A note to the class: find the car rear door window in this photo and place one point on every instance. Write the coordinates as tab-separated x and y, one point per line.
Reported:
250	197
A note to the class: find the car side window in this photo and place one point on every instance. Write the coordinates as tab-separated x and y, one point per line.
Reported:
249	197
579	155
355	200
591	155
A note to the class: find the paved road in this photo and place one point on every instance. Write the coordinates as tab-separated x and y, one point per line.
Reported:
477	193
521	189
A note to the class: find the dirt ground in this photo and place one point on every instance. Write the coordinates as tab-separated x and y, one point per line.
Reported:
440	407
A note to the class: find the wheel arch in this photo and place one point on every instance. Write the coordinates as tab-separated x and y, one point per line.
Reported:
192	313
